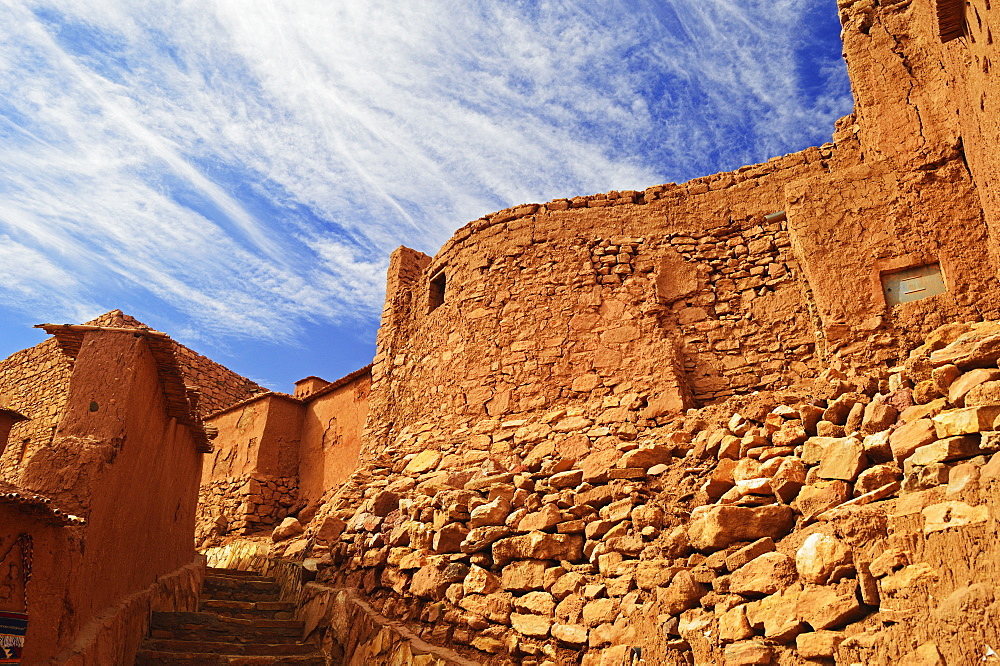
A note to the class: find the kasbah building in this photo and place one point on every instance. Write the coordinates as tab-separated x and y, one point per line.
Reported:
748	419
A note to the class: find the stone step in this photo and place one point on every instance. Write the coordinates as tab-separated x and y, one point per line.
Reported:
221	647
206	626
219	571
154	658
235	589
275	610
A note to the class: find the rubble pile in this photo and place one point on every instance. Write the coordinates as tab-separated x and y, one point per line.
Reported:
814	524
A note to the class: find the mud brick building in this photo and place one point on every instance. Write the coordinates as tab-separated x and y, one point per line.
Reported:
747	419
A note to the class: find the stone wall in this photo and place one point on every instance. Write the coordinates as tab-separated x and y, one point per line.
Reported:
682	295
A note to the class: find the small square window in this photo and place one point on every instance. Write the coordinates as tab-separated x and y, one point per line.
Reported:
913	284
435	291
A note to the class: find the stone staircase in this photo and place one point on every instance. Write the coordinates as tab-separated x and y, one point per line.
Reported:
240	623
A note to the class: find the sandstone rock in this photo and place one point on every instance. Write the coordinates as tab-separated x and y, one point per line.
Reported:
908	438
733	625
964	602
843	460
567	584
816	498
925	391
729	448
384	503
524	575
877	447
839	409
818	644
777	616
651	574
547	516
538	546
823	559
480	538
876	477
907	578
944	376
815	448
825	608
788	480
968	381
888	562
535	626
424	461
647	515
449	538
747	653
491	513
429	583
878	416
716	527
986	394
599	611
573	423
946	450
764	575
976	349
573	634
330	529
288	528
789	435
646	457
925	655
538	603
962	478
496	607
744	555
480	581
945	515
965	421
684	592
568	479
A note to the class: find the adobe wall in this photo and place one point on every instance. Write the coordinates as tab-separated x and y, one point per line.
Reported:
643	305
249	481
923	96
330	441
35	382
131	470
277	454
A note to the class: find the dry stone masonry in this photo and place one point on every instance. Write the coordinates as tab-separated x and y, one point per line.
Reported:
749	419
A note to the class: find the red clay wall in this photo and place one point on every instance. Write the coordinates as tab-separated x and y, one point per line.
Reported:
635	304
249	481
131	471
276	454
35	382
331	437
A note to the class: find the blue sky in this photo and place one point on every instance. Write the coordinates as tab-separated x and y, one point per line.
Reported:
236	172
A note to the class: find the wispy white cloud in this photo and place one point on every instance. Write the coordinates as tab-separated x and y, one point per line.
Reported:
246	165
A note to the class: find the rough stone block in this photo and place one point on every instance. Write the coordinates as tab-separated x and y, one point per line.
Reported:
946	450
965	421
763	575
716	527
843	460
823	559
908	438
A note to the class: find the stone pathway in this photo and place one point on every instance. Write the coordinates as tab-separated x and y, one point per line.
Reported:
240	623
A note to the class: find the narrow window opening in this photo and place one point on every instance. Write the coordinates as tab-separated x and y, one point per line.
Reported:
435	292
913	284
